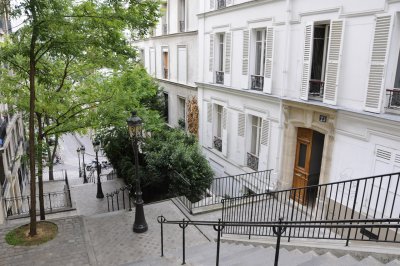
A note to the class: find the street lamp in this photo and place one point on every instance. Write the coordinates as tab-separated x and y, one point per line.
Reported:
79	160
84	168
135	131
96	147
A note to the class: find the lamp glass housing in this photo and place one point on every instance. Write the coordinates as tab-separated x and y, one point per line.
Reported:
82	150
96	145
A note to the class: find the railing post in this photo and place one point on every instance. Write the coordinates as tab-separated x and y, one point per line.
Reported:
183	225
50	202
278	232
218	228
251	214
352	212
108	202
161	219
123	196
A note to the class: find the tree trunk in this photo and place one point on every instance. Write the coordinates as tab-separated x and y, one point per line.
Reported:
32	96
52	157
40	165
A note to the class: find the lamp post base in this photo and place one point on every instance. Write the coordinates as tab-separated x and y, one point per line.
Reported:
99	194
140	225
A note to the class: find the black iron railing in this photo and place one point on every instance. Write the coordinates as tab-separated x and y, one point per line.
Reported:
120	199
217	143
316	88
281	228
165	73
257	82
230	187
221	4
376	197
252	161
112	175
182	26
219	77
53	202
393	99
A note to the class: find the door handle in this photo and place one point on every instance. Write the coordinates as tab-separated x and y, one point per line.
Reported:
298	174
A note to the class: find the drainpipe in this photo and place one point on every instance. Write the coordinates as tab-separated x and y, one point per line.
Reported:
284	85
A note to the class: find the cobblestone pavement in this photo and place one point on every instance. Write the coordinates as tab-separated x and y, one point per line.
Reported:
114	242
68	248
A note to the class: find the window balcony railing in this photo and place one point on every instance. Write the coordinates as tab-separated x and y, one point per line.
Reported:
257	82
252	161
219	77
182	26
393	99
316	88
165	29
165	73
221	3
218	143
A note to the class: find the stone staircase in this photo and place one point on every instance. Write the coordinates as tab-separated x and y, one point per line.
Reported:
238	254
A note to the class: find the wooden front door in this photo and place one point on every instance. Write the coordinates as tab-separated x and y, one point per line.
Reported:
302	164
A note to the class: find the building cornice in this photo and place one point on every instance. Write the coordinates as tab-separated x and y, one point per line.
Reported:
190	87
166	36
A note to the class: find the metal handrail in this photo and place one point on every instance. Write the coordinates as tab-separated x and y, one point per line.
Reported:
369	197
123	190
279	228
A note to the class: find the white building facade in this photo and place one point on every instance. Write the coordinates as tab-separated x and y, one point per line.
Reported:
168	56
308	88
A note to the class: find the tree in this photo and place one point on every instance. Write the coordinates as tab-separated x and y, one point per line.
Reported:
58	56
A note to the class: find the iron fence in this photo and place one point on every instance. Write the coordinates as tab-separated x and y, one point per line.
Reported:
316	88
217	143
252	161
221	3
230	187
375	197
257	82
165	29
280	228
393	99
219	77
53	202
182	26
120	199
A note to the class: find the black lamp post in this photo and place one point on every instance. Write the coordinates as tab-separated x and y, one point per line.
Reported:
84	168
135	131
96	147
79	160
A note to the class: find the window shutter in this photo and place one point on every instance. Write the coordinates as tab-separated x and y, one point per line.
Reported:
333	63
228	48
245	58
211	58
373	100
209	140
224	132
269	53
307	59
264	144
241	124
212	4
240	141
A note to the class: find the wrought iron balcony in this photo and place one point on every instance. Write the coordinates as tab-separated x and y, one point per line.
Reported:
165	29
218	143
393	99
252	161
257	82
219	77
165	73
221	3
182	26
316	88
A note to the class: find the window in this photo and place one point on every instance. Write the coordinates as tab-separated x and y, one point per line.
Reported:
253	154
164	19
165	63
257	80
181	15
318	65
220	56
218	128
166	116
182	112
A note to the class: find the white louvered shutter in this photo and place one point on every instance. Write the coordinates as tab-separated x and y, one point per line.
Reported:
269	54
224	131
307	59
264	144
211	55
212	4
209	140
373	100
228	52
333	63
240	148
245	56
